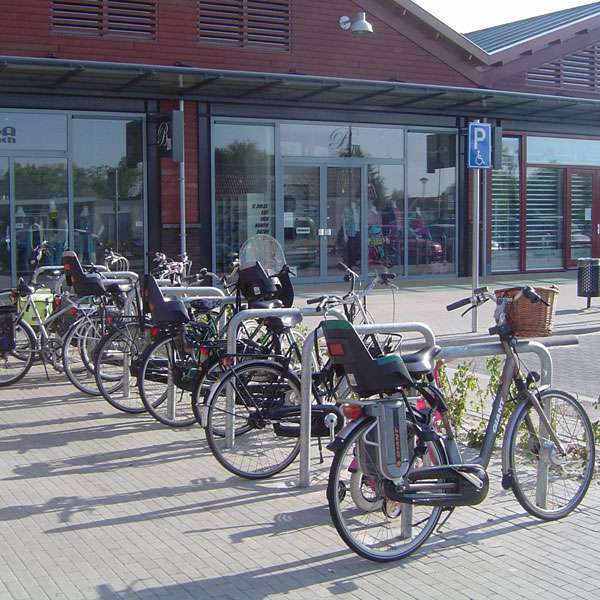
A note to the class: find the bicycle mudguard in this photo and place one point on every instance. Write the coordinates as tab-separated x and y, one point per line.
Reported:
346	432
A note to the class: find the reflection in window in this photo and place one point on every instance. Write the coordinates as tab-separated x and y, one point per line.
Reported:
506	209
431	191
385	218
5	266
563	151
544	219
41	209
341	141
108	189
244	186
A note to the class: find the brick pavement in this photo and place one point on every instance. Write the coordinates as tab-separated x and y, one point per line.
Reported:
100	505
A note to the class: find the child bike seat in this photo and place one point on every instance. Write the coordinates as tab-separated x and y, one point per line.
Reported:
84	284
163	311
367	376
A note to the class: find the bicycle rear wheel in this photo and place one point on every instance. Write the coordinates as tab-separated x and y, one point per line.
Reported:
371	525
547	484
260	447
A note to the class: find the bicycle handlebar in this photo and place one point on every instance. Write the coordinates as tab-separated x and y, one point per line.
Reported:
458	304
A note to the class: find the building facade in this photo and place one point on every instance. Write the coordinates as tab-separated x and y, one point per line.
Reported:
346	148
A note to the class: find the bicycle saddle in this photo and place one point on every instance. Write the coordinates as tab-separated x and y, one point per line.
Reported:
421	362
204	306
265	304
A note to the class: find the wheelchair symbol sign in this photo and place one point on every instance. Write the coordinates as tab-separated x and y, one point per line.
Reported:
480	146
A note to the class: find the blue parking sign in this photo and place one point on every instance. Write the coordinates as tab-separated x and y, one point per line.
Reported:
480	146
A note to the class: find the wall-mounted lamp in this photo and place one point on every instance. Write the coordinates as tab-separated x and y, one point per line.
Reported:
360	25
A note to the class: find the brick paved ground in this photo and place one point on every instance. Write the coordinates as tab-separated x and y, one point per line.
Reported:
96	504
100	505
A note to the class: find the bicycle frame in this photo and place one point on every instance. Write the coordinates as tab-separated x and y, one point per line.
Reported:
43	323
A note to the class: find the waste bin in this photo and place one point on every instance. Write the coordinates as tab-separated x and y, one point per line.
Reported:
588	278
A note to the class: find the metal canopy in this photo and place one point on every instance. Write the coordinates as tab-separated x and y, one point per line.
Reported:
55	76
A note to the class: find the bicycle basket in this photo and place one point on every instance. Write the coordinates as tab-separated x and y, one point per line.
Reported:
7	328
527	319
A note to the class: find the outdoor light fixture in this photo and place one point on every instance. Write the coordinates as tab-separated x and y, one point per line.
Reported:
360	25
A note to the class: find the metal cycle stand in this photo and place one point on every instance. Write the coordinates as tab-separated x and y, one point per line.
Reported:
232	329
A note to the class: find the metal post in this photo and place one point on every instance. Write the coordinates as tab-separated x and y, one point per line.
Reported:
475	245
125	381
543	466
182	219
170	385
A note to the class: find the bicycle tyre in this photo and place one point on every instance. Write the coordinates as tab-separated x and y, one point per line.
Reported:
515	447
30	349
120	341
153	382
77	353
338	491
286	386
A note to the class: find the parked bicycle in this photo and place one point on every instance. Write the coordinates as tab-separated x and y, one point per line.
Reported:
394	473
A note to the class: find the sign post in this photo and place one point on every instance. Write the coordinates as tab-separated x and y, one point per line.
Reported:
479	156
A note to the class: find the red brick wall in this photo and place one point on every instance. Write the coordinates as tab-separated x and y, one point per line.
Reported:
319	46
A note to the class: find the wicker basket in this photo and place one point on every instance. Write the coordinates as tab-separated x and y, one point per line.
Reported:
527	319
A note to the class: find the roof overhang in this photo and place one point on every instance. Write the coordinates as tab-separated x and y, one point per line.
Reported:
93	78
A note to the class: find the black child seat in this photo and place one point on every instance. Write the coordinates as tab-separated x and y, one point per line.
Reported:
163	311
91	284
255	284
84	284
366	375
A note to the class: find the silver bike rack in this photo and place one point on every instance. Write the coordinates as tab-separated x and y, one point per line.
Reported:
261	313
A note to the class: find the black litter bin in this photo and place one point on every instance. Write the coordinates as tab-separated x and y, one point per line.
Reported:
588	278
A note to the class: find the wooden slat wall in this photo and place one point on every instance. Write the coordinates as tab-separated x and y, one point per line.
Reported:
106	17
257	23
580	70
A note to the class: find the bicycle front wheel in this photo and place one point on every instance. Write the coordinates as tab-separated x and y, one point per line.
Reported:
116	366
166	379
15	364
78	352
547	483
372	525
251	400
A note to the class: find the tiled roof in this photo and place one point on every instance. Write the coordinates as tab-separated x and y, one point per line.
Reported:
496	38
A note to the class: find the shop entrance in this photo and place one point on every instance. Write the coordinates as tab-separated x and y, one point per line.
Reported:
583	215
322	216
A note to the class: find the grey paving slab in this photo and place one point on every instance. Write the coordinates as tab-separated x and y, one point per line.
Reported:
100	505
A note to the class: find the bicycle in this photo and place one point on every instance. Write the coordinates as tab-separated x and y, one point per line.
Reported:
45	338
394	472
261	397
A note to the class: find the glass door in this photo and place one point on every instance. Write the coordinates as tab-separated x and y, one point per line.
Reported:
5	241
302	219
41	209
343	223
581	222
